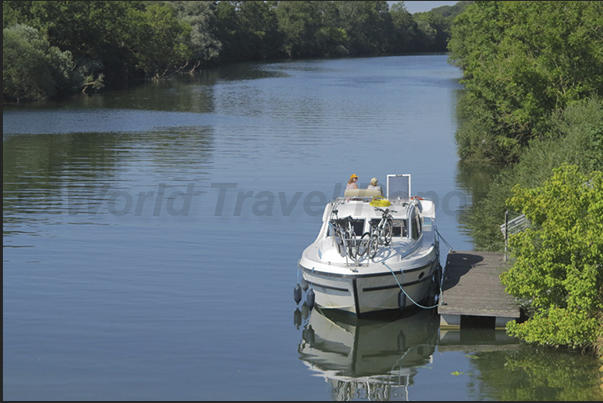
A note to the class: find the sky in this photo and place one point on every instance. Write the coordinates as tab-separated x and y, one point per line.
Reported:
420	6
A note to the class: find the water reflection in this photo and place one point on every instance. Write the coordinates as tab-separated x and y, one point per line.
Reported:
81	177
368	359
508	370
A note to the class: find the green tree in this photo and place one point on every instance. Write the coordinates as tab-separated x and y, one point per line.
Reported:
368	25
299	21
433	31
331	38
126	39
158	40
258	22
521	62
558	267
12	13
248	30
405	29
200	16
92	31
32	69
227	31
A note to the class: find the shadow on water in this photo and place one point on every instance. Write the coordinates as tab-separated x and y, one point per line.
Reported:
372	359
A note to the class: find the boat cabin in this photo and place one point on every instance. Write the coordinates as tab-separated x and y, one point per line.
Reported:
362	204
406	220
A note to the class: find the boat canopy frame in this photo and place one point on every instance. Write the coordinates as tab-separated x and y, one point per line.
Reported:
398	186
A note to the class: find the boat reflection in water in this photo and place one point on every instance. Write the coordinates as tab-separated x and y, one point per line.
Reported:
368	358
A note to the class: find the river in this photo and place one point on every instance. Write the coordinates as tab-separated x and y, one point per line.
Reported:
151	239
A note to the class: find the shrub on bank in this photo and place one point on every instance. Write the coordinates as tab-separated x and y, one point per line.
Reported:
32	69
558	261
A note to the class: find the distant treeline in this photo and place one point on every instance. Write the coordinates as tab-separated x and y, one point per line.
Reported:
55	48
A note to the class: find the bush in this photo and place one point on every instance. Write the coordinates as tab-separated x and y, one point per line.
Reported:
558	267
31	68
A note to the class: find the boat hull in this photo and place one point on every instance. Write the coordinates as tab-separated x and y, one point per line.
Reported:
368	294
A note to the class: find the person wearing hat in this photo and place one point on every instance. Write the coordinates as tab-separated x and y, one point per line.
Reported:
352	182
374	185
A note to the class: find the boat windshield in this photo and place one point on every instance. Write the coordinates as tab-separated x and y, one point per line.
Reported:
400	228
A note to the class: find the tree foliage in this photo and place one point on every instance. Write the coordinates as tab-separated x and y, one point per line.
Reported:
168	50
299	22
203	43
558	268
521	62
32	68
576	138
406	30
248	30
368	24
533	76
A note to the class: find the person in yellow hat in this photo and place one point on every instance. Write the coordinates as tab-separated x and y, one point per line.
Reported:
352	182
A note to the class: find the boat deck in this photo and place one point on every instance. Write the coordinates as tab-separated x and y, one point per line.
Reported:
472	291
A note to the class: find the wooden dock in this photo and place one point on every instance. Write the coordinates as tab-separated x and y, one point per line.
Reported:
472	292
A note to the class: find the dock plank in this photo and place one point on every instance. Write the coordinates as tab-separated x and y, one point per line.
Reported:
472	287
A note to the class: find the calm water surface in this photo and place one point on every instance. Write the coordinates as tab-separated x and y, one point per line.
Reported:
151	240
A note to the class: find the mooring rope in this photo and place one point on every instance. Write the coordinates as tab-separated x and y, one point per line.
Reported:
442	238
402	289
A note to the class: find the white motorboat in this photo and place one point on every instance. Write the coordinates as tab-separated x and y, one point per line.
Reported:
390	259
